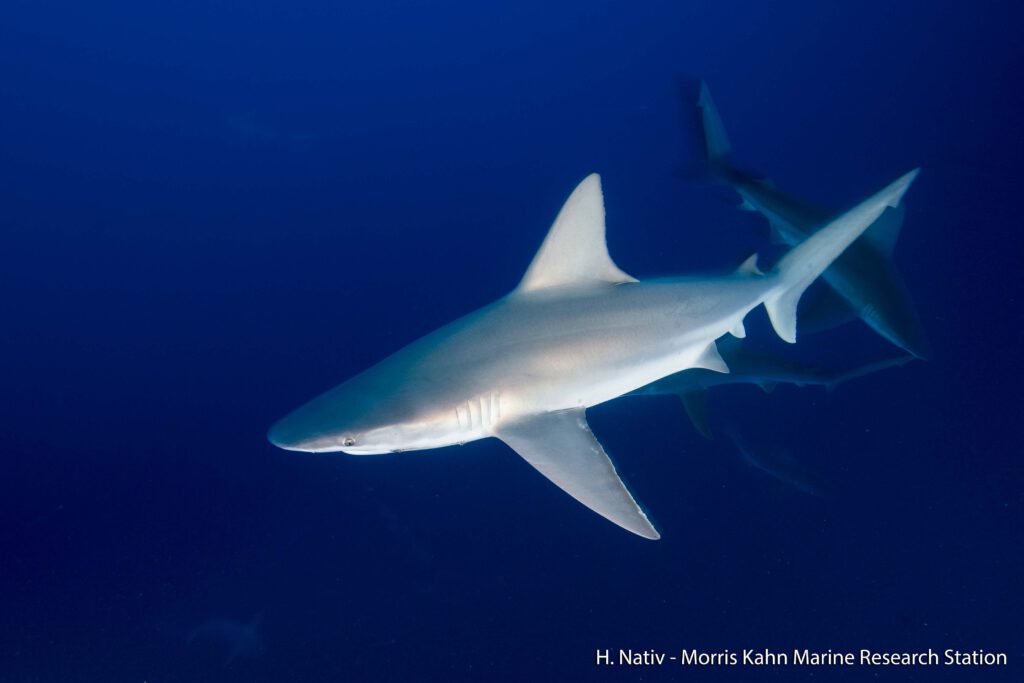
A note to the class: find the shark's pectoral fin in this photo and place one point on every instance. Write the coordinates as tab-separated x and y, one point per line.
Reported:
561	446
695	403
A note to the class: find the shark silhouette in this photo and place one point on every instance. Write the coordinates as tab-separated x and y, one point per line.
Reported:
863	279
576	332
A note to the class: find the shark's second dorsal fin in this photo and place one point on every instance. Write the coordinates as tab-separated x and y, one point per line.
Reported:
574	251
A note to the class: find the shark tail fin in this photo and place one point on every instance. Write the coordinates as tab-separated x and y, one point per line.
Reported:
807	260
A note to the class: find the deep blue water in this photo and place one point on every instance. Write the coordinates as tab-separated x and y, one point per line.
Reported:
210	212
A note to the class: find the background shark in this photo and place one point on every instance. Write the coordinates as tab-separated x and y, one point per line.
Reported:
762	369
575	333
864	280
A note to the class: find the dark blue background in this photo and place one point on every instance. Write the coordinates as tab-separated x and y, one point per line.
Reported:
211	211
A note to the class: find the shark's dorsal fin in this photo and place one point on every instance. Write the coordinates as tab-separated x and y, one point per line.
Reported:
561	446
574	251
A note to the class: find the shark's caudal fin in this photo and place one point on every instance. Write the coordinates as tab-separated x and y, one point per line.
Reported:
574	252
807	260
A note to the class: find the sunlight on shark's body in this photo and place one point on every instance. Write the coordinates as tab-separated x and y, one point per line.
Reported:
864	280
575	333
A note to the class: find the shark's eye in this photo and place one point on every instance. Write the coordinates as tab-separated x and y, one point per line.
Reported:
349	441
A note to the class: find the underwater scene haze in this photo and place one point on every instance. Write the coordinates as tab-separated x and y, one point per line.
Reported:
212	212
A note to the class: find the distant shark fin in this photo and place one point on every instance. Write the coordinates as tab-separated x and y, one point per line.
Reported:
716	140
561	446
695	402
574	251
822	308
884	232
775	233
808	259
840	376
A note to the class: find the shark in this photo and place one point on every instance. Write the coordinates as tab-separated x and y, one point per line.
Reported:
766	370
863	282
576	331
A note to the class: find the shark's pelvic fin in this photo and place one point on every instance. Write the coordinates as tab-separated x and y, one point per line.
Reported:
574	251
710	359
807	260
561	446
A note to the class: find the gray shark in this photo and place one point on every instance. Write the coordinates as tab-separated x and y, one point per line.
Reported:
864	281
763	369
576	332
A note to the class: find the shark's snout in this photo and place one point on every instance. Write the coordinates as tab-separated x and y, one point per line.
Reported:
293	434
281	436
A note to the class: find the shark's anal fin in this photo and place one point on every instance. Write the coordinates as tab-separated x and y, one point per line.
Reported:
749	266
561	446
574	252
